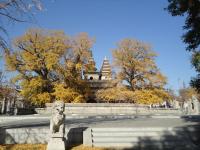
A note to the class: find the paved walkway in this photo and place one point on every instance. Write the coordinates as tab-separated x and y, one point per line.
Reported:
102	121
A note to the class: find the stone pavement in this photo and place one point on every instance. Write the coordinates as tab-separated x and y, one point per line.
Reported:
101	121
35	128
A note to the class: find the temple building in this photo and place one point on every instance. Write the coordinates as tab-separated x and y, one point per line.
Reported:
104	74
98	79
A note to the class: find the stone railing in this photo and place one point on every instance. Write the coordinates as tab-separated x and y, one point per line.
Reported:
106	109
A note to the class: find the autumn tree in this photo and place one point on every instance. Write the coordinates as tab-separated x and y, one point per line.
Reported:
8	98
90	66
146	96
75	62
49	65
136	63
8	95
125	95
116	95
186	93
191	10
122	94
35	57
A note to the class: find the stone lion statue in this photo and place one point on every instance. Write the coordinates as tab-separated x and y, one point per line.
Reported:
57	122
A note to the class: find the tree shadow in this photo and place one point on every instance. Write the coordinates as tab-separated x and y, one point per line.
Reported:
191	118
181	138
92	120
25	123
74	137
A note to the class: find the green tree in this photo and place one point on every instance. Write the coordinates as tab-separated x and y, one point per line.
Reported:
190	9
195	81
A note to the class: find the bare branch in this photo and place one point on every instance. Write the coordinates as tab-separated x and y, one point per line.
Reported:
11	17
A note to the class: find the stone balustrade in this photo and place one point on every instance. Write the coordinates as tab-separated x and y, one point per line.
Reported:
108	109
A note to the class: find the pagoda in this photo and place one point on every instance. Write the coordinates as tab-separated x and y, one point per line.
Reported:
105	73
98	79
91	73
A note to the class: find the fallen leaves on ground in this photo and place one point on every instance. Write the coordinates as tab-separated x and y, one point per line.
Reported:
42	147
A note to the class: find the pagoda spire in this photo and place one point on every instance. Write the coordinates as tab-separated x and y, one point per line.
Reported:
106	73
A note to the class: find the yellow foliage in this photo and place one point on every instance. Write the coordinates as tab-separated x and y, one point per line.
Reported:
68	95
37	49
137	96
35	82
33	90
43	147
187	93
78	66
162	94
136	63
81	47
81	147
115	95
146	97
23	147
41	98
44	59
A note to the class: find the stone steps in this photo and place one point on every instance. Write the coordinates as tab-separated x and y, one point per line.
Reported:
157	137
131	139
147	146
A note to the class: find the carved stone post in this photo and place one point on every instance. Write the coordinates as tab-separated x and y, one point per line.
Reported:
8	106
57	127
3	105
196	105
186	107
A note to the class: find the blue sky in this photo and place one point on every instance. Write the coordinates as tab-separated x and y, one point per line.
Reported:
110	21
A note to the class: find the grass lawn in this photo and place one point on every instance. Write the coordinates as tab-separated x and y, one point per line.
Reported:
42	147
